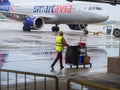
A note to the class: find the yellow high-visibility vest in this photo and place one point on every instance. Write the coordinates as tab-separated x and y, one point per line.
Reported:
59	44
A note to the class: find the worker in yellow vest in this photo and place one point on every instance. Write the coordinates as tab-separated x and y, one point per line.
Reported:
60	43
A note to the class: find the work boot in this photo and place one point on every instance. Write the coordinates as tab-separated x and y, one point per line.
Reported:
61	68
52	68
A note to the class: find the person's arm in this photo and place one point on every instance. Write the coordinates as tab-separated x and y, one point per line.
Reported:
64	42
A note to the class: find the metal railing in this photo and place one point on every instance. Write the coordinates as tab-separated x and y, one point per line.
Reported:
84	85
7	76
13	76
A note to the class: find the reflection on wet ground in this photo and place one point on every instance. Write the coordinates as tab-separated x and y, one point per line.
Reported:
30	58
35	51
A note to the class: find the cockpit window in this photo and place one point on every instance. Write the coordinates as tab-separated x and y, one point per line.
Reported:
95	8
98	8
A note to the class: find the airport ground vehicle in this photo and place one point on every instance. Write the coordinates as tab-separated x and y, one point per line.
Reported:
113	30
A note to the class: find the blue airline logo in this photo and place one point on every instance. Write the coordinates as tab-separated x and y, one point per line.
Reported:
53	9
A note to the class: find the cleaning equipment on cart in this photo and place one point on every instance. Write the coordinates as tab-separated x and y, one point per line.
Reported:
77	55
82	44
72	55
81	59
84	58
83	50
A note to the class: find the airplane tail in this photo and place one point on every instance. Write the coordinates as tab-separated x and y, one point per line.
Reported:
4	2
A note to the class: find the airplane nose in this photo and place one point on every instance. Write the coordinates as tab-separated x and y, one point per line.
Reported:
102	17
99	17
105	17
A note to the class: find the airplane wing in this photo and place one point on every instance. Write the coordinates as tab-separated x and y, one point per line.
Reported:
21	16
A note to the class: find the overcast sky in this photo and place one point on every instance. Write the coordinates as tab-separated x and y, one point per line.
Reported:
113	11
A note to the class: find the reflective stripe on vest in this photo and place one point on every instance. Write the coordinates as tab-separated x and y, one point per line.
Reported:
59	44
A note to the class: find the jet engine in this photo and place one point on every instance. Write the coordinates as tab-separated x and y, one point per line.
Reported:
79	27
32	23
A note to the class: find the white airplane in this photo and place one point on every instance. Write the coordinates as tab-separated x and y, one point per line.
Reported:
75	14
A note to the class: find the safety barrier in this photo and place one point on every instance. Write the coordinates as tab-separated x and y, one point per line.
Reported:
35	78
84	85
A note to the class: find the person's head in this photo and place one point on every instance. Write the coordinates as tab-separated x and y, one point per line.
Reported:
60	33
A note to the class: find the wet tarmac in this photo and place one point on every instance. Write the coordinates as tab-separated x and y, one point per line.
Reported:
35	51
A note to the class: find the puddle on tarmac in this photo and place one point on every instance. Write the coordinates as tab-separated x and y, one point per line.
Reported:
42	53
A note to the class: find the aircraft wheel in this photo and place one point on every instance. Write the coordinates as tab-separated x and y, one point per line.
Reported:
55	29
26	29
85	32
116	32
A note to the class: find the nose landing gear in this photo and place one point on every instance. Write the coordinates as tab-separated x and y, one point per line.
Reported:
85	32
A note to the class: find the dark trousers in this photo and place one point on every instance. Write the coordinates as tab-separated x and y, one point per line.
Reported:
58	57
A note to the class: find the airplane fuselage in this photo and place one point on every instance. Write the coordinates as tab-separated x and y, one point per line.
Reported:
64	12
76	14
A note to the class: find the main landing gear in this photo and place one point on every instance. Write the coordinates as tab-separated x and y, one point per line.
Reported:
55	28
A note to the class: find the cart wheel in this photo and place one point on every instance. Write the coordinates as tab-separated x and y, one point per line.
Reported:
77	66
70	66
84	66
90	65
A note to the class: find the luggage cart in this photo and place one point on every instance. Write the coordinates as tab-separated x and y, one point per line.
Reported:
75	55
